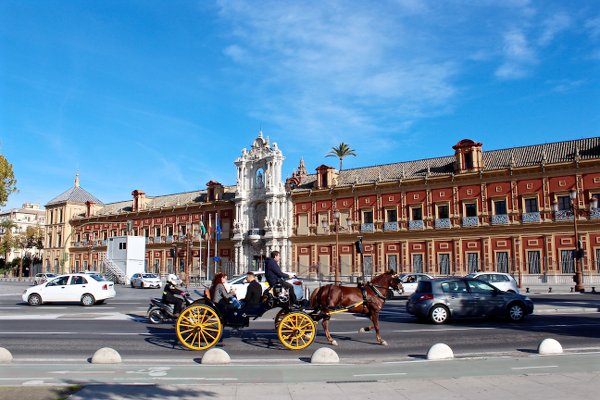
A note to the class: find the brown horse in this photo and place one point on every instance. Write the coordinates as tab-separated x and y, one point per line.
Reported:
368	300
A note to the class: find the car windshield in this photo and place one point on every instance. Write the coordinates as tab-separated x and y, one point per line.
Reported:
98	277
150	276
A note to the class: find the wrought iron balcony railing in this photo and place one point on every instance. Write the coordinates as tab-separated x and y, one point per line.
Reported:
443	223
500	219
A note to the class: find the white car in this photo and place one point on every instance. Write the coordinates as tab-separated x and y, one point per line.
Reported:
411	280
240	284
500	280
145	280
83	288
43	277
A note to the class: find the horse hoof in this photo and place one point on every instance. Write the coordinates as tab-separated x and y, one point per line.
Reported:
361	330
334	343
384	343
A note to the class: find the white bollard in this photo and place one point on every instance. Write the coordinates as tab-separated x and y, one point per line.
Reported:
216	356
106	355
324	355
440	351
5	356
549	346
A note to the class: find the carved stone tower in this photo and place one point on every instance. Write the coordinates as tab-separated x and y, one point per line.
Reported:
263	208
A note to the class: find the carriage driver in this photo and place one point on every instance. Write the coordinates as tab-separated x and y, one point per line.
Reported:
274	275
171	294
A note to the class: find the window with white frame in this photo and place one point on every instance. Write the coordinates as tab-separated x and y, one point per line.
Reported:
416	213
470	209
531	205
563	203
499	207
417	263
502	262
444	263
472	262
533	262
443	211
367	217
391	215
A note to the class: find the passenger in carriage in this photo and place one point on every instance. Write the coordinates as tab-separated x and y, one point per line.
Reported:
251	303
219	294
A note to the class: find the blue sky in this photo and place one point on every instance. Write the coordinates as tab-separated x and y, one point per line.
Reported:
163	95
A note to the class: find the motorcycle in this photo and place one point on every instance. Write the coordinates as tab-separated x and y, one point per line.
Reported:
160	312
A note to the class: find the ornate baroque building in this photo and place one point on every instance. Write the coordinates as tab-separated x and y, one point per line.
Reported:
506	210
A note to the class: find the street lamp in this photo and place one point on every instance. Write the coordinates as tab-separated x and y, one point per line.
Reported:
578	255
336	226
187	237
518	265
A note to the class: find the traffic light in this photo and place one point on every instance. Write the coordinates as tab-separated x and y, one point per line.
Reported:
359	246
173	252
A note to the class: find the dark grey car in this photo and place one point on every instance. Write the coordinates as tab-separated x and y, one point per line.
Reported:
444	298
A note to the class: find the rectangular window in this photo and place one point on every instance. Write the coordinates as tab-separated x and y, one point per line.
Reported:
502	262
416	213
472	262
531	205
169	230
123	246
443	211
367	217
302	228
499	207
598	260
169	265
157	231
368	265
157	266
533	261
392	262
391	215
417	261
564	203
146	232
470	209
566	258
444	261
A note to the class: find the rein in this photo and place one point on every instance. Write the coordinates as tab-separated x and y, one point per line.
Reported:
374	289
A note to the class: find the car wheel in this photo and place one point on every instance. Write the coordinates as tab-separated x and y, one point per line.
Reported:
87	300
439	314
131	283
34	299
516	312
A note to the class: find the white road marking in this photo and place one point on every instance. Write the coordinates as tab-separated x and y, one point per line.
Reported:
391	373
535	367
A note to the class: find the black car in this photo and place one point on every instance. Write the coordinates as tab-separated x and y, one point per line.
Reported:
444	298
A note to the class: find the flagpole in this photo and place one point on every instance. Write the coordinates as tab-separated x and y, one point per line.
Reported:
216	238
200	244
208	246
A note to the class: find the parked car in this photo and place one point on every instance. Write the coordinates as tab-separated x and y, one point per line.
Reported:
83	288
410	281
240	284
143	280
441	299
498	279
43	277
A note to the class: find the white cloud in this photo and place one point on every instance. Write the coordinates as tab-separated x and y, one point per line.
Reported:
593	27
518	56
552	26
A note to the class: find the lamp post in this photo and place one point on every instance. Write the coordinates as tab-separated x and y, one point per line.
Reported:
336	216
518	264
578	254
188	241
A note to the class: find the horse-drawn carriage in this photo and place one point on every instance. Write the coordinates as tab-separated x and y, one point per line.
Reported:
200	326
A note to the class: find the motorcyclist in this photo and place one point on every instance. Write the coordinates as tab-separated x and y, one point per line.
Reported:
275	276
171	293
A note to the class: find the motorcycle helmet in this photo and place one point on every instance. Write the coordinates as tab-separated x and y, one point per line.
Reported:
173	279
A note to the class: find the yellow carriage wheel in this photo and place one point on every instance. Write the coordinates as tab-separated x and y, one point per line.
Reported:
198	327
296	330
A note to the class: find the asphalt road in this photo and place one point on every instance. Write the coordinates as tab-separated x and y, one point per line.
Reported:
72	333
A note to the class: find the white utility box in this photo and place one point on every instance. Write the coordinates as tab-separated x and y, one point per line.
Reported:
128	253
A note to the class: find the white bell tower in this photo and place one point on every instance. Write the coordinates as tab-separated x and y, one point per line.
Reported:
263	209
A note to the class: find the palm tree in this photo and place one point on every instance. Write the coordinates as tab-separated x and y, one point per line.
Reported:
340	152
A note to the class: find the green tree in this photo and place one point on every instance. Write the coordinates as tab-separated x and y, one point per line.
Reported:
8	240
341	151
8	183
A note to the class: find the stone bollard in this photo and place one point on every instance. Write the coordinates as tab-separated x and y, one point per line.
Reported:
440	351
324	355
106	355
5	356
215	357
549	346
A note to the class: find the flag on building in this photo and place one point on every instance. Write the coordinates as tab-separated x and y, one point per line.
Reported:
218	226
209	232
202	230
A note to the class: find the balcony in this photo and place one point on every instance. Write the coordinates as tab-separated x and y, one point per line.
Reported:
256	234
390	226
368	227
594	213
416	224
169	239
563	215
469	222
443	223
531	217
500	219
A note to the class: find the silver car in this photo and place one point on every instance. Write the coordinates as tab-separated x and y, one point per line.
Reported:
143	280
43	277
500	280
441	299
